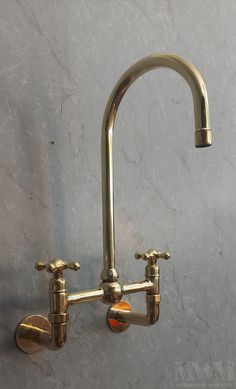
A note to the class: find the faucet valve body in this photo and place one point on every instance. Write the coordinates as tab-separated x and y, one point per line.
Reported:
120	315
56	324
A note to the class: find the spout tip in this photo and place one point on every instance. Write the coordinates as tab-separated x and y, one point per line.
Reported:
203	137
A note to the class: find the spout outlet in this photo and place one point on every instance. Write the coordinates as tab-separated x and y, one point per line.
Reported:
203	137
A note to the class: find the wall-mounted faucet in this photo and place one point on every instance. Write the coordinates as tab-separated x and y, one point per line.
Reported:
36	331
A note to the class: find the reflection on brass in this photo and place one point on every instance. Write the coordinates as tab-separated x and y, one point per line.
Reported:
118	314
113	322
58	316
202	136
57	265
32	333
35	332
152	255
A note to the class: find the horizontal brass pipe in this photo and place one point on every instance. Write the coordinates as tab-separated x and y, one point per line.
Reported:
38	335
98	294
142	286
85	295
150	318
135	318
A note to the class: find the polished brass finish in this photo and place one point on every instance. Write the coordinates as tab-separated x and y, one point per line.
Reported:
58	303
58	316
85	296
152	255
121	315
112	322
32	333
112	291
35	332
57	265
202	137
135	287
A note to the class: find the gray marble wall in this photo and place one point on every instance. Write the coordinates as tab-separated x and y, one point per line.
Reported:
59	61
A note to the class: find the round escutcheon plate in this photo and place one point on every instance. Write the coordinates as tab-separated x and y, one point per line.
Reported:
33	322
113	324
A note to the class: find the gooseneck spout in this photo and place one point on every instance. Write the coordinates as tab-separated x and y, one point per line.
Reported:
202	137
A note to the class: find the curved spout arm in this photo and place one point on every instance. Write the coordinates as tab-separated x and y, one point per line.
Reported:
202	137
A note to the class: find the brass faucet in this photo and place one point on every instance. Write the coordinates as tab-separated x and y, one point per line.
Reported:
36	331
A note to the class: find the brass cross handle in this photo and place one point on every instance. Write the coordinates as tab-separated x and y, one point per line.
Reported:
152	256
57	265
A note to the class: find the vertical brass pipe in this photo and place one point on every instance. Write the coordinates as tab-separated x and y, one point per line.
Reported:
202	137
58	316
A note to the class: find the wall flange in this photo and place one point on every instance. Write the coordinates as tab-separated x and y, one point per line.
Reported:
30	331
112	322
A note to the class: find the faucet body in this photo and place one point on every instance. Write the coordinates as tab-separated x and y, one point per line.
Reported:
35	331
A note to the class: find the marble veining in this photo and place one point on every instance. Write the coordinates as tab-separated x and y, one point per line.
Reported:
58	63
